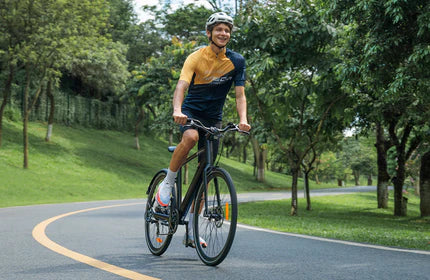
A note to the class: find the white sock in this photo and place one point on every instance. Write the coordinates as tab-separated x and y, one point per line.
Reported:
167	185
170	177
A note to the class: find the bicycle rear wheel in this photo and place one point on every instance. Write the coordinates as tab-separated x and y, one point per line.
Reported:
157	233
216	221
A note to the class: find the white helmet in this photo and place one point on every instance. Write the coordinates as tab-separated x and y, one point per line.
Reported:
219	17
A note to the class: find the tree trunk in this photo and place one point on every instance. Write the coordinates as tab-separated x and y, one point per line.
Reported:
51	111
27	109
136	128
260	155
25	121
417	186
308	197
425	185
383	177
402	155
245	153
356	174
25	139
399	202
170	137
317	179
6	93
294	200
369	180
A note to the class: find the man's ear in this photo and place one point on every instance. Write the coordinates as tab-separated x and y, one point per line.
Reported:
208	33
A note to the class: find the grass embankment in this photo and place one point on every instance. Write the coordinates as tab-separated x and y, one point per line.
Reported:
86	164
81	164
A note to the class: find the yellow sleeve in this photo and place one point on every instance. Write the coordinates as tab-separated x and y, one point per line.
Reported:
189	68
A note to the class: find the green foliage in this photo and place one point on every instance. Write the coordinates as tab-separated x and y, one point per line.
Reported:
152	84
46	33
53	36
74	110
187	23
359	157
121	19
385	64
101	67
354	157
289	62
143	41
11	113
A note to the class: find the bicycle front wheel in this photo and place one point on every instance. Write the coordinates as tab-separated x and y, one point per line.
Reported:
217	217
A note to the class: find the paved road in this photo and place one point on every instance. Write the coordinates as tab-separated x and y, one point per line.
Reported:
115	236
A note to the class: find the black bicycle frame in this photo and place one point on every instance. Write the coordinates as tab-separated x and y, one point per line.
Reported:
202	172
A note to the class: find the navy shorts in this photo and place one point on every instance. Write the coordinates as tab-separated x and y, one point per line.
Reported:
206	122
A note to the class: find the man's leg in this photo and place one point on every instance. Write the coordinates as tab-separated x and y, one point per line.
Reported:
189	139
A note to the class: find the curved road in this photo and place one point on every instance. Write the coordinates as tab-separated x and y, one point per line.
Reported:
103	240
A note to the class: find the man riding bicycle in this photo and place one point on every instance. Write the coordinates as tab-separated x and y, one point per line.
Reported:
208	74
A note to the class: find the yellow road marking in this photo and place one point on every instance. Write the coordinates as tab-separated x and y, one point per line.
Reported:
40	236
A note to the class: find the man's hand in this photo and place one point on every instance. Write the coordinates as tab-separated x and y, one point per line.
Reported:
244	126
180	118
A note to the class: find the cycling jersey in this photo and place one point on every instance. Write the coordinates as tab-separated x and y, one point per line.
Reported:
210	77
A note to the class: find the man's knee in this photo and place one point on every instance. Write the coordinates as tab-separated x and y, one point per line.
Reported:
190	138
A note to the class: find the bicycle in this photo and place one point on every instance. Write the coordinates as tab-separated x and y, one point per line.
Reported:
213	195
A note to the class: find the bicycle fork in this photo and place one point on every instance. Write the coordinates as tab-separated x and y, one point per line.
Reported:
207	170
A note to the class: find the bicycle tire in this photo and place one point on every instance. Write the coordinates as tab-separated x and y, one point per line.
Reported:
218	228
156	231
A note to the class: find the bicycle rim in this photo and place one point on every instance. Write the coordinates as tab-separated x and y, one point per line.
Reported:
216	221
156	231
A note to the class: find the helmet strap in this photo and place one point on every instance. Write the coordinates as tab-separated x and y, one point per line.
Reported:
212	42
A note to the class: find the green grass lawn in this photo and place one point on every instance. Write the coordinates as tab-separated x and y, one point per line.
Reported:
352	217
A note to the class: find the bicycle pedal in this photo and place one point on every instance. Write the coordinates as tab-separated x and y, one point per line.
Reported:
162	210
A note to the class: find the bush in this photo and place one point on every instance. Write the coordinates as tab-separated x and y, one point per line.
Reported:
12	114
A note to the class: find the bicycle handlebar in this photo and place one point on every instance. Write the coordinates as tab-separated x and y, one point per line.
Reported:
214	130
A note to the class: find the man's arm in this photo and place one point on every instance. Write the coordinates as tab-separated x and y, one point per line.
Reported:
178	98
241	108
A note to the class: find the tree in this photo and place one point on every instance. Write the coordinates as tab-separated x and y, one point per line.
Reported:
187	23
358	156
42	37
386	63
287	47
122	18
153	83
101	67
144	40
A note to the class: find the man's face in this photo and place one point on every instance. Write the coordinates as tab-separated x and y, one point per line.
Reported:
220	34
